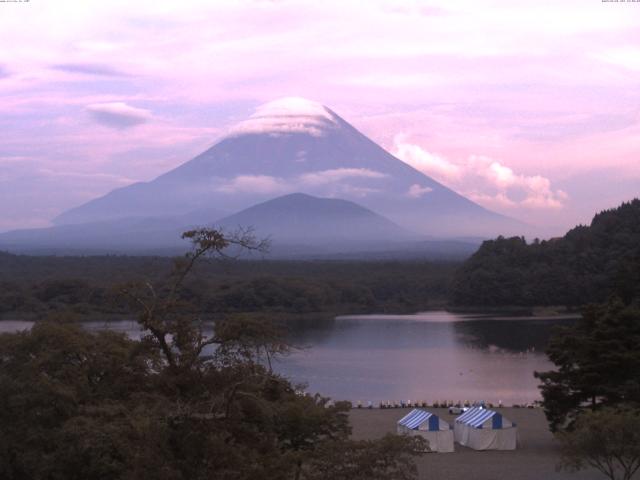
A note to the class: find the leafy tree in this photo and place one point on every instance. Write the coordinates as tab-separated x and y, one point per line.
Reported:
389	457
56	380
607	440
176	405
598	363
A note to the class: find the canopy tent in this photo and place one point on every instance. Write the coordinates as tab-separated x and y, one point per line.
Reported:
483	429
429	426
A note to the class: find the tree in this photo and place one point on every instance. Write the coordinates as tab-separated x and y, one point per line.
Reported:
607	440
161	311
389	457
177	405
598	363
56	381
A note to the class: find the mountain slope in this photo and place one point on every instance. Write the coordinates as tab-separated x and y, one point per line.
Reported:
294	145
122	235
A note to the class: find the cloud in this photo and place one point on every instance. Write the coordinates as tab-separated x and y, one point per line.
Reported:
417	191
415	8
90	69
497	201
627	57
335	182
332	183
286	116
346	189
8	159
536	189
439	167
116	179
261	184
324	177
118	114
482	179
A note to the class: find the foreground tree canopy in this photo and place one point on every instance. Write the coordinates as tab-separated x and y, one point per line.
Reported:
176	404
607	440
598	363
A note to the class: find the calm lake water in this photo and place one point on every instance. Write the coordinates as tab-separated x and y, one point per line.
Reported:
426	356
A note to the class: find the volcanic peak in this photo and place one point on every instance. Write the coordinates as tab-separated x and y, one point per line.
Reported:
286	116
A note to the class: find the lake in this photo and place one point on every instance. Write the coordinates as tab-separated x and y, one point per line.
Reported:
430	356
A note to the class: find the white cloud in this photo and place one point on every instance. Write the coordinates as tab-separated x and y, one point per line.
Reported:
482	179
497	201
288	115
262	184
416	191
118	114
625	57
324	177
331	183
439	167
121	179
333	179
94	69
356	191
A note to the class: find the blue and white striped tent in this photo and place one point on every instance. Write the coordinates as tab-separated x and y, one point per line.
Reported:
477	416
428	425
483	429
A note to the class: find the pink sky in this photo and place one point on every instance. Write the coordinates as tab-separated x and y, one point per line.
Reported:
530	108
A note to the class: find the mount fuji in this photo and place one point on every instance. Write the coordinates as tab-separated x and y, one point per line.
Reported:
296	145
294	171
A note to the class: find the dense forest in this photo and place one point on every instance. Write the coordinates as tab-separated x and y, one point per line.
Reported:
32	287
587	265
176	404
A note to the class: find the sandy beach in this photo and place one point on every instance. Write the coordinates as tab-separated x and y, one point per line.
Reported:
535	459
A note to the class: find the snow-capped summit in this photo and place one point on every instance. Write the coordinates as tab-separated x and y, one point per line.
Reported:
288	115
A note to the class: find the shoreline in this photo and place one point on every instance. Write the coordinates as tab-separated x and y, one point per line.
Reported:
542	311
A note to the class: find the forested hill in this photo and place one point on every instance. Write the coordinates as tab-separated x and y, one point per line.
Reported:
586	265
35	286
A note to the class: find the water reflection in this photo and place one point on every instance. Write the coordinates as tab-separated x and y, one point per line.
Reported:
428	356
512	335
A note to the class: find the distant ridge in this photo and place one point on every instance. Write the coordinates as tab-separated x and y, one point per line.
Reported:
299	226
304	219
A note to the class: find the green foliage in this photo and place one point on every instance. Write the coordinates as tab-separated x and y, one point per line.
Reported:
36	286
607	440
586	265
175	405
387	458
598	363
53	381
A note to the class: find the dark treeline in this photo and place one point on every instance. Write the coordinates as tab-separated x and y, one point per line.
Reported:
36	286
77	405
587	265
